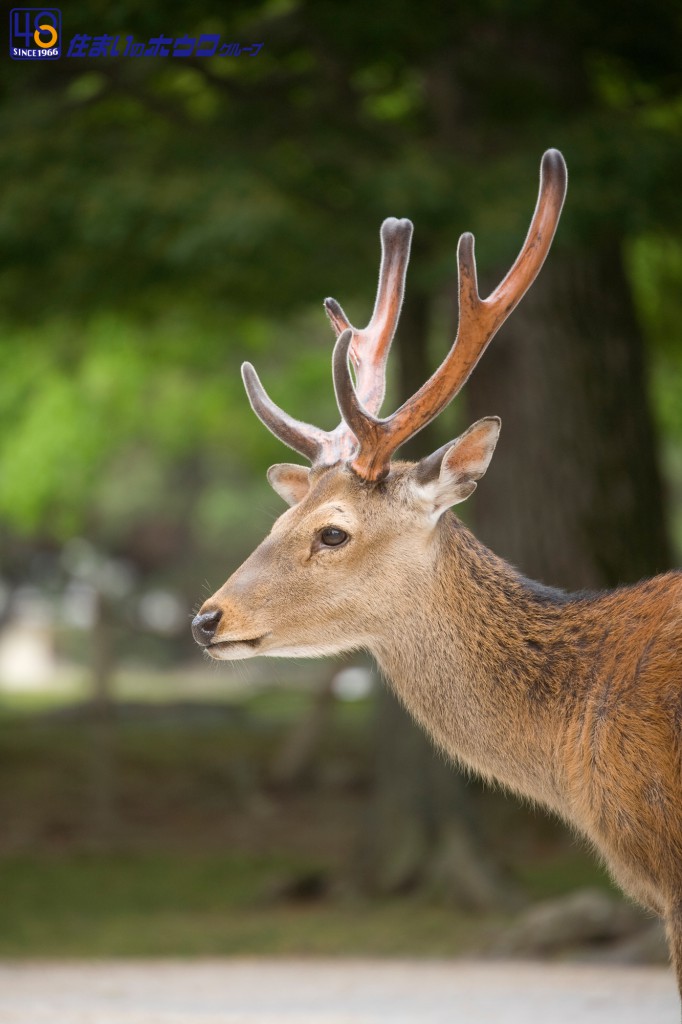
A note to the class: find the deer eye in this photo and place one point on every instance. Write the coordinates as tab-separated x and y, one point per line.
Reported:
333	537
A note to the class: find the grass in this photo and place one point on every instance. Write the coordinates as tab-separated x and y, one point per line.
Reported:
198	852
151	906
105	905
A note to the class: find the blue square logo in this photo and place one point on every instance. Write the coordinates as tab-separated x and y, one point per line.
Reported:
35	33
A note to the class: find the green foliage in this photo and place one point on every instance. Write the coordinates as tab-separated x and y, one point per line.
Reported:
102	433
179	195
243	181
110	404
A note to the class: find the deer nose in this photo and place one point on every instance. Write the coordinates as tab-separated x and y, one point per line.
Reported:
204	626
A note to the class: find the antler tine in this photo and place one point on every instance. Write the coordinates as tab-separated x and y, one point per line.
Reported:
370	346
368	350
479	320
302	437
355	415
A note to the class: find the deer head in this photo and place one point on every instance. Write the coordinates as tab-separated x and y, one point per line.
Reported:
360	538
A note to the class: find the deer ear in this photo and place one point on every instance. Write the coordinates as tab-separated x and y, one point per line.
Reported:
291	482
450	474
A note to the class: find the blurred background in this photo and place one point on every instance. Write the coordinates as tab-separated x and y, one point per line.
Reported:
161	220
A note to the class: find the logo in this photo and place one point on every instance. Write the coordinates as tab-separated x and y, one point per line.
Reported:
35	33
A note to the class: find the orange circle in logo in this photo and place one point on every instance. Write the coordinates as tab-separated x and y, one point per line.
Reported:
53	36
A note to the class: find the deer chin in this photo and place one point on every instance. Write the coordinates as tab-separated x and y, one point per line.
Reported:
267	646
235	650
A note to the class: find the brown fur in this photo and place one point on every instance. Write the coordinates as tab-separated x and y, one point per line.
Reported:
574	701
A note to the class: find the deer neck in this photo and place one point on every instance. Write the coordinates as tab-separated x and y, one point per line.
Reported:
482	663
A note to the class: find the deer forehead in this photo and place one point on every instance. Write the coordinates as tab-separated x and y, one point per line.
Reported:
307	519
339	498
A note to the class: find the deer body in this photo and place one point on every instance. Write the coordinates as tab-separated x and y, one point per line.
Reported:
573	701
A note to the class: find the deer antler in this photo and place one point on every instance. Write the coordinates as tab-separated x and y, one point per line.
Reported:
479	320
368	350
364	440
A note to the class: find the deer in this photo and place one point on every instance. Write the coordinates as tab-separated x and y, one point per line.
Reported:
573	701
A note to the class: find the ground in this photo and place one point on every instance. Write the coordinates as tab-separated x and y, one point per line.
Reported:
245	991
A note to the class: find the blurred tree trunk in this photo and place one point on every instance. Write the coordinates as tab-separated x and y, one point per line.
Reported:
102	770
295	757
573	497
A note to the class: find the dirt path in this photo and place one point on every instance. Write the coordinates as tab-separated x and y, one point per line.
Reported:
332	992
